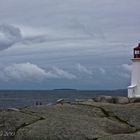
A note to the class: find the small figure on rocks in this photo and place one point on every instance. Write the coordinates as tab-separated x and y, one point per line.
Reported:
36	103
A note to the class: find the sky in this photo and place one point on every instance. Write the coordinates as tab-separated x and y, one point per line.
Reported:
80	44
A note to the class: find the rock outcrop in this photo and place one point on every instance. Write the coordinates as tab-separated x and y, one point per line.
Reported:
81	120
113	99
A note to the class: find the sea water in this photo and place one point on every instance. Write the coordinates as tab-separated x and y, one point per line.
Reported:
23	98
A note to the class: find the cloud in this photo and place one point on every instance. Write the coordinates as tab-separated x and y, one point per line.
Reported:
125	75
9	35
125	71
30	72
127	67
35	39
24	71
92	32
60	73
102	70
83	69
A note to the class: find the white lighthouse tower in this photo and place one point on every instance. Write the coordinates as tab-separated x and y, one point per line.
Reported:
134	88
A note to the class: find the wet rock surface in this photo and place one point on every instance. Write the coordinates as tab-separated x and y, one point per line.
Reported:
80	120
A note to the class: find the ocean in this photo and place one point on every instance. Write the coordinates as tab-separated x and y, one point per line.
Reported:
24	98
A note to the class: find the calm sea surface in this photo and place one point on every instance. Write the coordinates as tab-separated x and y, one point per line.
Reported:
23	98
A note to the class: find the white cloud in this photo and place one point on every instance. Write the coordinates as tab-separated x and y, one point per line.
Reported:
30	72
83	69
24	71
28	31
60	73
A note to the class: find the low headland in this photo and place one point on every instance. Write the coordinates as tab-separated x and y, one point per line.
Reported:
100	118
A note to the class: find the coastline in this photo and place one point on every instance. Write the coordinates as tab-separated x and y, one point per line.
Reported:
101	118
23	98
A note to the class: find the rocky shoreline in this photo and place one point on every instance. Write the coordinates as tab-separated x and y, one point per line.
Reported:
101	118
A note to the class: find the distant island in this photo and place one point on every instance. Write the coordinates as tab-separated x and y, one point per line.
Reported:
62	89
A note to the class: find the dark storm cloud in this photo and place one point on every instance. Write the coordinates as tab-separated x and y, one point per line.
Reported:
67	33
9	35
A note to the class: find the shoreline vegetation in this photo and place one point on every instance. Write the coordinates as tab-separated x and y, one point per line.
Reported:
99	118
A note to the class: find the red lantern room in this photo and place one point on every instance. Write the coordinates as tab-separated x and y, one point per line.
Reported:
137	51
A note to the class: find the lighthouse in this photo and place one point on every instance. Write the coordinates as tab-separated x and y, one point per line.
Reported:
134	88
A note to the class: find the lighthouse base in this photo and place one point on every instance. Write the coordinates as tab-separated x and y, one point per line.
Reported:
132	92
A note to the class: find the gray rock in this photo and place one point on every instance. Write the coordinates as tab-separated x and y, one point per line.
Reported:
120	100
11	121
78	122
135	136
81	120
104	99
13	109
134	100
129	113
112	99
60	101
